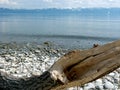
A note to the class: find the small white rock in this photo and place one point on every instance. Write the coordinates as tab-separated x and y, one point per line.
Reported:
112	74
89	86
108	85
117	75
98	82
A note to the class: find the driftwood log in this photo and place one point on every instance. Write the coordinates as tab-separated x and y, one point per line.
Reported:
73	69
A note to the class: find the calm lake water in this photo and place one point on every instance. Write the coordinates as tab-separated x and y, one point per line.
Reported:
67	31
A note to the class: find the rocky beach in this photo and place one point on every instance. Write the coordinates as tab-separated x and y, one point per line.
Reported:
28	59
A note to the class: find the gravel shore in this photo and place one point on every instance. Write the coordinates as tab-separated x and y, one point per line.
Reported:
27	59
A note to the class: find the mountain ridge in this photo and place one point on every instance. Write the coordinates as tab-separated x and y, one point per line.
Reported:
55	11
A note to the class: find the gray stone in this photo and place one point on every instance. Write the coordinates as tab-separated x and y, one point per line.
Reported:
108	85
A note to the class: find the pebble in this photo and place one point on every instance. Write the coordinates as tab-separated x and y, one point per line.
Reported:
1	66
89	86
108	84
112	74
99	84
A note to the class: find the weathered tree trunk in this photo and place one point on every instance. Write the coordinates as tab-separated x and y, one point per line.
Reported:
73	69
79	67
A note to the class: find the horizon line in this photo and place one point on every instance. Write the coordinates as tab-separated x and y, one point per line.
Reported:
61	8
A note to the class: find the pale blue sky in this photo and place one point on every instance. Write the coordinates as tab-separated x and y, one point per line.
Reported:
38	4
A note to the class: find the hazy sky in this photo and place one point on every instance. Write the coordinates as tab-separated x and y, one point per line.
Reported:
38	4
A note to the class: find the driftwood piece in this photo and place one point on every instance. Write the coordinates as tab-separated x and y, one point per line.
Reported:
79	67
73	69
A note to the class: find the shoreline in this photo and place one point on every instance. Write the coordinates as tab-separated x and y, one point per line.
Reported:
65	42
27	59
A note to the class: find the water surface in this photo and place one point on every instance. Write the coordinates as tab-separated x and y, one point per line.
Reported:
70	31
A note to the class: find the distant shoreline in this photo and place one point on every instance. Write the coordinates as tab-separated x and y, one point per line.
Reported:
96	12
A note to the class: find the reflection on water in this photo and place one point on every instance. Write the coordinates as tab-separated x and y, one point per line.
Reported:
60	26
